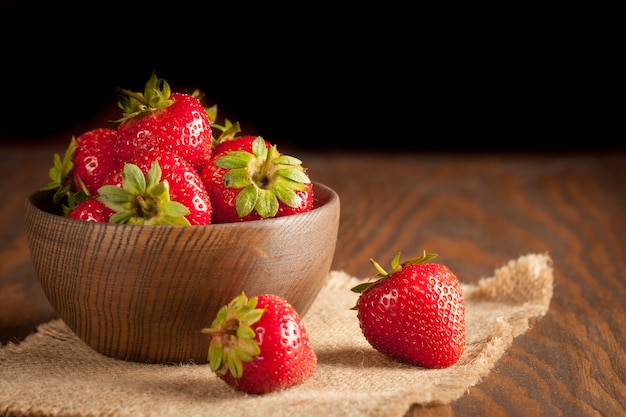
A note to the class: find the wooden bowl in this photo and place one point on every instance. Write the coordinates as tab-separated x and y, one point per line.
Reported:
143	293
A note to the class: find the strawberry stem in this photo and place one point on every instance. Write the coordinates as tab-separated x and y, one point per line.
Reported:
224	331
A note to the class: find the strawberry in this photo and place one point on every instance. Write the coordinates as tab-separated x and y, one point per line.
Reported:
260	345
185	184
94	159
91	210
415	313
248	179
142	199
158	118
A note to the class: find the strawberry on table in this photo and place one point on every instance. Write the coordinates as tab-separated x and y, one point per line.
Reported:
259	345
249	179
415	313
158	118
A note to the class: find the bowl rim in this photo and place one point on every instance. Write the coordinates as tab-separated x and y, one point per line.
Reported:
35	201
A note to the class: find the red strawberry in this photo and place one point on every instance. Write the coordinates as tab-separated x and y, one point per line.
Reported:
415	313
248	179
94	159
185	183
260	345
143	199
91	210
160	119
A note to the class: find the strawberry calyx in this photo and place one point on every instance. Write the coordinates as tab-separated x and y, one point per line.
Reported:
62	181
232	336
228	130
396	266
143	199
264	176
156	95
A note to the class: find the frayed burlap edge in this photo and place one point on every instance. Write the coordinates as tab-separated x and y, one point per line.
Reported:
52	373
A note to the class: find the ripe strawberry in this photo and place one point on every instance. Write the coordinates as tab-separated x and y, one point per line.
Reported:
248	179
185	184
142	199
260	345
415	313
91	210
94	159
158	118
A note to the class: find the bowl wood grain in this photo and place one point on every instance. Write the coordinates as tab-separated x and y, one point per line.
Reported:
143	293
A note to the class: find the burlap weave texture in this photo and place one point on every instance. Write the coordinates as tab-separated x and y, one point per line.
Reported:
52	373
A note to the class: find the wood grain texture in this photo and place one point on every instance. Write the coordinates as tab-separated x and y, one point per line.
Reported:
476	211
143	293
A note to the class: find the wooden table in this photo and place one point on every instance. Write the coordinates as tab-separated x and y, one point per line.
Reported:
477	211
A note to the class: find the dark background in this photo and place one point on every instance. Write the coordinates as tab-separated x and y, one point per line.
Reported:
316	76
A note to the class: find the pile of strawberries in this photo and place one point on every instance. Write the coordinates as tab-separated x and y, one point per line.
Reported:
163	165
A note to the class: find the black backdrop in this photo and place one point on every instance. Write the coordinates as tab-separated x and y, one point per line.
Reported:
310	75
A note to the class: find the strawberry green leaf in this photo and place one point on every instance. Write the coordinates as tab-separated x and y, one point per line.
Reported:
287	160
267	203
160	190
235	364
242	354
169	220
153	177
425	257
234	159
215	355
247	200
294	174
114	197
210	111
286	194
250	347
361	287
245	333
174	209
237	178
395	263
121	217
133	179
249	313
258	147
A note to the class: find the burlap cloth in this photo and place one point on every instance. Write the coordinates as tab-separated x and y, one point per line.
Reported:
52	373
